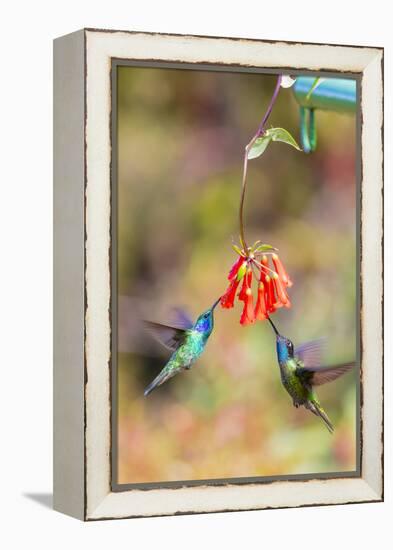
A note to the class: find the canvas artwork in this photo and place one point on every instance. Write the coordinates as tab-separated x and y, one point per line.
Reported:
218	274
235	274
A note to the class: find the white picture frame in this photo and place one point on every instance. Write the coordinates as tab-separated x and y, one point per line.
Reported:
82	257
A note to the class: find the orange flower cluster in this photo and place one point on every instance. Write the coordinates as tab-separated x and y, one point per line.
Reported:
273	280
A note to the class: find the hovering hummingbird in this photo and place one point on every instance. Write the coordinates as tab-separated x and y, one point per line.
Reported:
301	370
186	341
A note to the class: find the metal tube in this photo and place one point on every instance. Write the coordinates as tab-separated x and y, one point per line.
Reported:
332	94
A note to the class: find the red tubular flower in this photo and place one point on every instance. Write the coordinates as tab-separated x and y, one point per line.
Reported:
241	271
228	298
281	293
235	268
248	316
260	308
247	280
270	298
281	272
272	287
264	265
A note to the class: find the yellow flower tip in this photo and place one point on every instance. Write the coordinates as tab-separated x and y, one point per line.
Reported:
275	275
267	279
248	292
264	259
275	257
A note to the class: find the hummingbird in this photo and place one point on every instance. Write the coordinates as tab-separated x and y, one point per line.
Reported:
301	370
186	341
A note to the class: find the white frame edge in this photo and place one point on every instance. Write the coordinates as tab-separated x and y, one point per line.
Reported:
100	47
69	271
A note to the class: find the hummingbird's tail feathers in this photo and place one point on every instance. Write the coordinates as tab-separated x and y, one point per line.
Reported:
316	408
164	375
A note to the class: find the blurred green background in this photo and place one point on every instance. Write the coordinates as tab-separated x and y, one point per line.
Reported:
181	137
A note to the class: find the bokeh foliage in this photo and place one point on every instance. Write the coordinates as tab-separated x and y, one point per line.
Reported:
181	137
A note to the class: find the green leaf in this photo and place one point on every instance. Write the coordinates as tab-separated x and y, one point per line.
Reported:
279	134
264	248
274	134
237	249
259	146
315	84
242	271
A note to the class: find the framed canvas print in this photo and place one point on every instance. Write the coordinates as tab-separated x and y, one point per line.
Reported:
218	274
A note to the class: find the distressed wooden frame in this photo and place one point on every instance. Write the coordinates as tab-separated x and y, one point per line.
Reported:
82	291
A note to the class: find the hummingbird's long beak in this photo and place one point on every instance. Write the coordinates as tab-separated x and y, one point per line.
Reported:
274	328
216	303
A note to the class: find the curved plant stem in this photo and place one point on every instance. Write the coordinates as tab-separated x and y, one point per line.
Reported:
259	133
261	128
242	195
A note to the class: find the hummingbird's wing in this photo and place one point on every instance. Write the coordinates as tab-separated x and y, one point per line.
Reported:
322	375
311	353
170	337
181	318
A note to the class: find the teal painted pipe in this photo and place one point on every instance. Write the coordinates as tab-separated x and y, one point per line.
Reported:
332	94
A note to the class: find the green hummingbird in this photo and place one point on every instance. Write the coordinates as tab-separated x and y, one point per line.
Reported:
301	370
187	342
